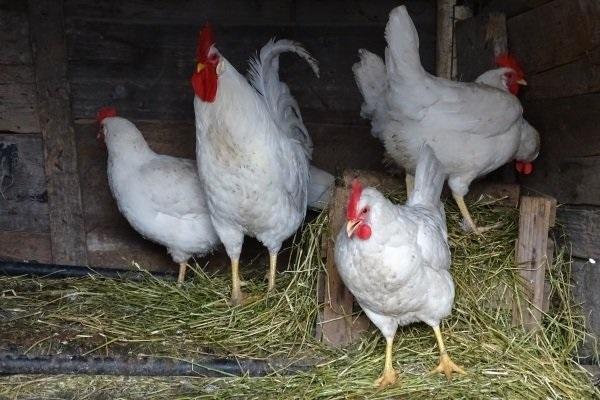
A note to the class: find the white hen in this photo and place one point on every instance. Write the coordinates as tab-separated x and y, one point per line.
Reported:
159	195
253	150
395	259
473	128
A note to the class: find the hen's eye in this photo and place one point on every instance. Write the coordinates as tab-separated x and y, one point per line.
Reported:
365	210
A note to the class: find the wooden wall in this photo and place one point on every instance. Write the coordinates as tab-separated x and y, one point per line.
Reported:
138	55
558	43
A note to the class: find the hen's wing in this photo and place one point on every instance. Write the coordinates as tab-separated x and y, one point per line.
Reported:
440	103
172	186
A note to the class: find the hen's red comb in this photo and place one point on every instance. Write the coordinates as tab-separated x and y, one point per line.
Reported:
105	112
356	191
506	60
206	39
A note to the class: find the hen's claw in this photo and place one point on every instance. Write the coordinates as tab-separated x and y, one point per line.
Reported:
447	367
389	377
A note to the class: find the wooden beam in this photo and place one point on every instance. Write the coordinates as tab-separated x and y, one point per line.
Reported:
60	156
536	218
445	29
336	325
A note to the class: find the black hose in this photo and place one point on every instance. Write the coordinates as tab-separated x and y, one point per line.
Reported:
144	366
75	271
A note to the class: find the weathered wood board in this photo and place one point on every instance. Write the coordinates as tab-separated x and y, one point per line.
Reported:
144	69
586	281
569	160
25	246
582	227
555	33
23	197
54	112
510	7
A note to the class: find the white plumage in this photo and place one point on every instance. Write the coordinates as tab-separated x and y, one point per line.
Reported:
473	128
159	195
253	155
399	271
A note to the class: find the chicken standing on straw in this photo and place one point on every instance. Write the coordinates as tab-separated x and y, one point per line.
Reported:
473	128
395	259
161	196
252	150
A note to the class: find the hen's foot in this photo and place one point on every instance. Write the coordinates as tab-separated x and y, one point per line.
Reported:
478	230
447	367
389	377
238	298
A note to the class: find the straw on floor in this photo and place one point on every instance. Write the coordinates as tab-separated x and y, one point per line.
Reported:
107	317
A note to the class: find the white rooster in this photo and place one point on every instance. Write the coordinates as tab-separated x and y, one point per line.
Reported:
473	128
161	196
252	150
395	259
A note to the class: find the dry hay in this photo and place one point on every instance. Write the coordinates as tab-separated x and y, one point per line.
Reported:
99	316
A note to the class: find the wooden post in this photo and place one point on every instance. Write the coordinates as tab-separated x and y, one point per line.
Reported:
336	325
445	29
537	215
64	197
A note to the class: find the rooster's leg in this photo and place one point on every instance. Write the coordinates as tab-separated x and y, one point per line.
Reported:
389	375
181	276
410	183
236	292
446	367
272	270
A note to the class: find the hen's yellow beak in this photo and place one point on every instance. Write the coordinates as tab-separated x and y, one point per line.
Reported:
522	82
199	67
351	227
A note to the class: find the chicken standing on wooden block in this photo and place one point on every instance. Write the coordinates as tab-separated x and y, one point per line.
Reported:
395	259
473	128
252	150
161	196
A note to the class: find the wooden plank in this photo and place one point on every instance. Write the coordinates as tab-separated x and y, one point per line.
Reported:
555	33
582	227
337	326
65	213
479	40
586	280
511	7
532	258
247	13
18	99
579	77
14	36
25	246
144	70
507	193
569	160
23	197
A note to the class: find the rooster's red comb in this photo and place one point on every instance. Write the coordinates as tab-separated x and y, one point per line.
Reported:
105	112
206	39
506	60
356	191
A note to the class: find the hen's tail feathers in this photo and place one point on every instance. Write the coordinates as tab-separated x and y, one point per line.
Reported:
403	46
371	80
320	188
264	77
429	180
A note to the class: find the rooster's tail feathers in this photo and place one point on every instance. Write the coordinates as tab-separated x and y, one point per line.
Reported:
403	45
264	77
429	180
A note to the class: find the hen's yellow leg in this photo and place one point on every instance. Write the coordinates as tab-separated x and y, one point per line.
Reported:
181	276
389	375
460	201
410	183
446	366
236	291
272	270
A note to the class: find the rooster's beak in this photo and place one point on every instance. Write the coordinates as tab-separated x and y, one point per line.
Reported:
199	67
522	82
351	227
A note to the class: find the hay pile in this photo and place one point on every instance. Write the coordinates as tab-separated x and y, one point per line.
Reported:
108	317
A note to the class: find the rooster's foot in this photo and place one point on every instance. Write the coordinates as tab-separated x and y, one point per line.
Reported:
389	377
